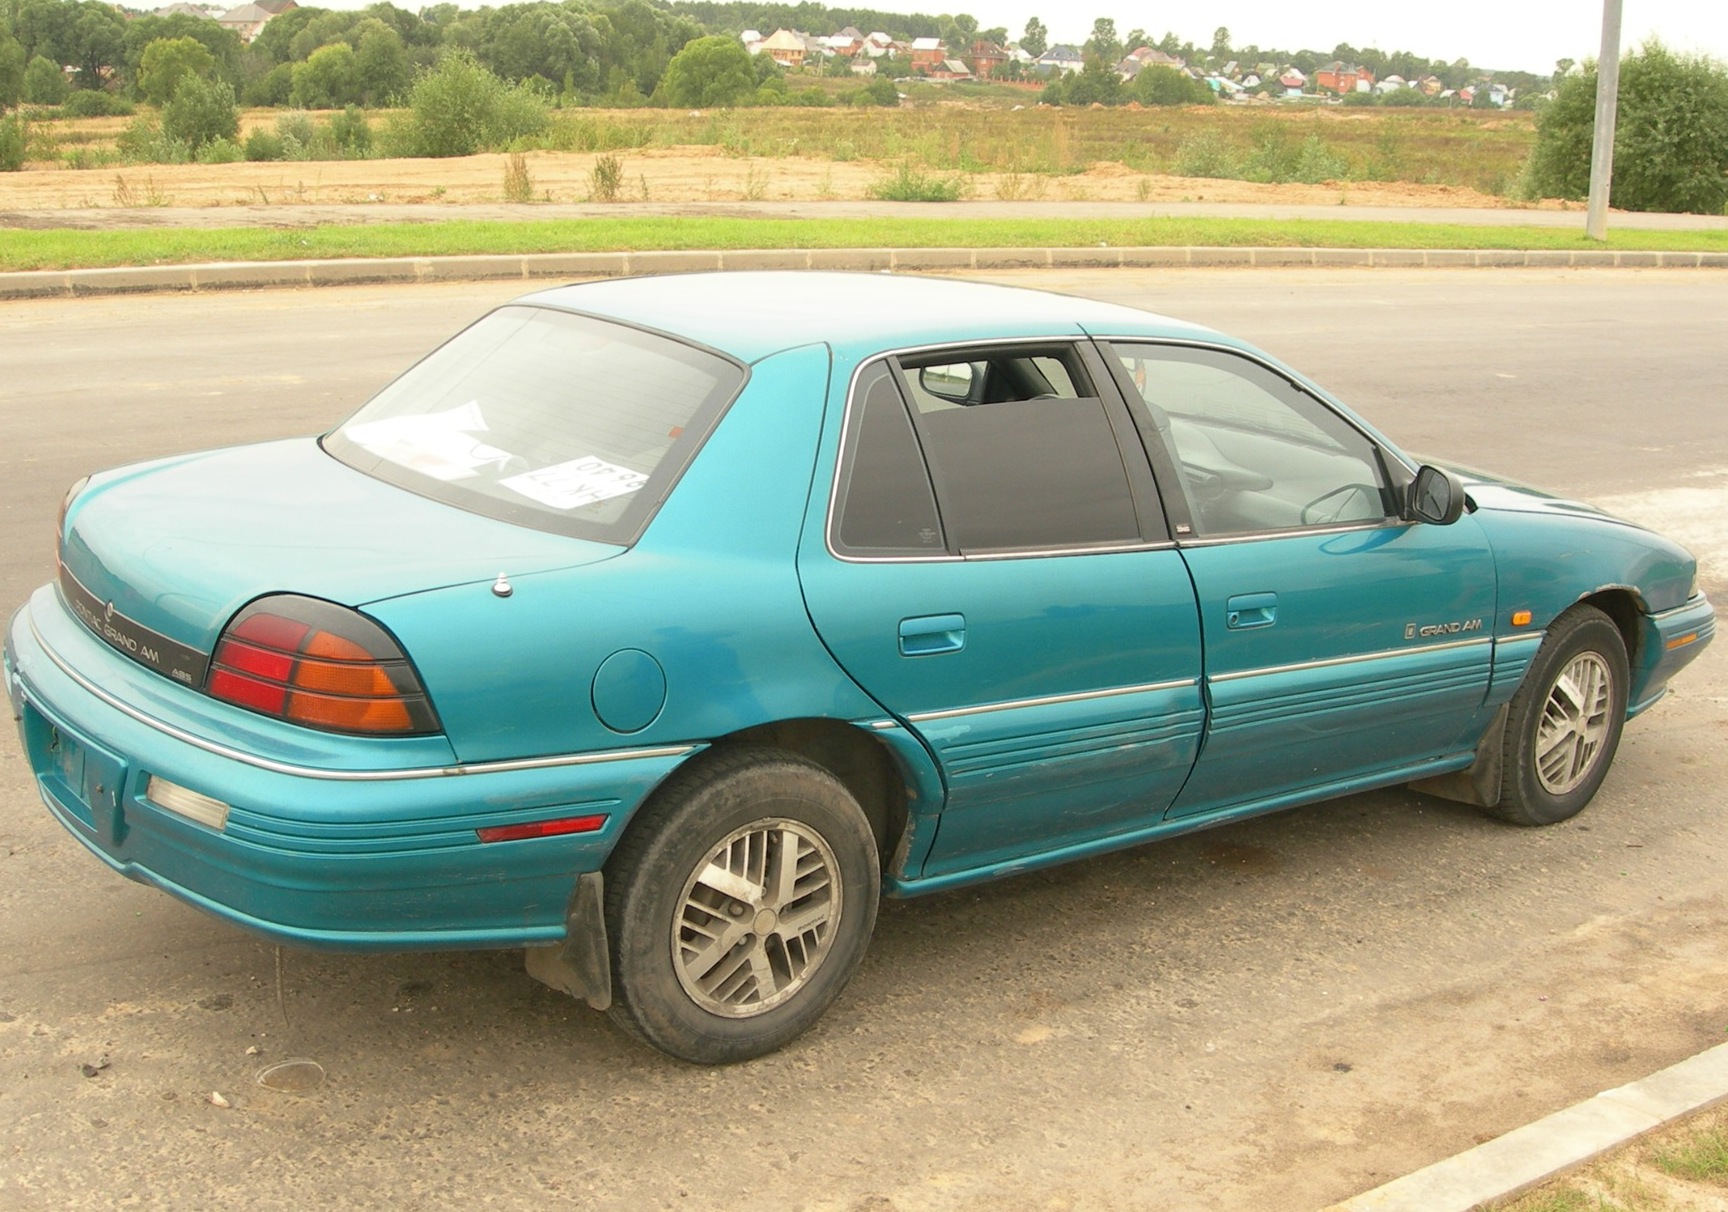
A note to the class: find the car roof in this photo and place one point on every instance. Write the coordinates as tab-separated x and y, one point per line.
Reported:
750	315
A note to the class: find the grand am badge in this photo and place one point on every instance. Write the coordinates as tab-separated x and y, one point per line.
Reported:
1424	631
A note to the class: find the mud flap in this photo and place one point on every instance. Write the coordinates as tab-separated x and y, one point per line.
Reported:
1479	784
581	965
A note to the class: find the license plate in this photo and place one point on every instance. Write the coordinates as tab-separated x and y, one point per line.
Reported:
83	780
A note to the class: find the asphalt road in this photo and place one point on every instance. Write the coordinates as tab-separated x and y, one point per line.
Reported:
1272	1016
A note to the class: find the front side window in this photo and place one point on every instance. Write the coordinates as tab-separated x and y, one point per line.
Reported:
1253	452
545	418
982	451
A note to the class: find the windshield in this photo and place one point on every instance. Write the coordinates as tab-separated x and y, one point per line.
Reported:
544	418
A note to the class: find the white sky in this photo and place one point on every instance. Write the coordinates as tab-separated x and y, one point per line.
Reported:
1512	35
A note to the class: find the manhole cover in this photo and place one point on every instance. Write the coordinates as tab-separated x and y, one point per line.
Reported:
296	1076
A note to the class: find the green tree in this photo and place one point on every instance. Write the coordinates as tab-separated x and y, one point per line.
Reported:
224	45
1221	44
201	112
11	72
1670	140
1036	40
1095	84
44	82
167	61
1103	44
382	61
1167	86
329	79
709	73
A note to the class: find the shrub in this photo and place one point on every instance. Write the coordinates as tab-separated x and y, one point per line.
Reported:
351	133
329	78
200	113
14	138
908	183
605	178
1206	153
518	184
143	142
1670	140
265	145
880	91
221	151
1167	86
809	98
459	107
94	103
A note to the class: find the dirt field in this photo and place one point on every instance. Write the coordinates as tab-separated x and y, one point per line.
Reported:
682	174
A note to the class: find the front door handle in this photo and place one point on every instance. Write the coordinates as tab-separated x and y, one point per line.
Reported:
1246	611
930	634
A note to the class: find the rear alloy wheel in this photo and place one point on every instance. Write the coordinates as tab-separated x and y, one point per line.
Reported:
739	906
1565	720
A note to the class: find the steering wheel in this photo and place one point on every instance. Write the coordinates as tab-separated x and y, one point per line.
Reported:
1317	512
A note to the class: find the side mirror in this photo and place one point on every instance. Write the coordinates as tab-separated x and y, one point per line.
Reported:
1437	497
952	382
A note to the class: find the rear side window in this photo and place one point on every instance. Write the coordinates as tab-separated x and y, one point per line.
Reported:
547	419
1019	449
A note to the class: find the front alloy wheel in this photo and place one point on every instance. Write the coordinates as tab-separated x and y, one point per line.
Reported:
1564	723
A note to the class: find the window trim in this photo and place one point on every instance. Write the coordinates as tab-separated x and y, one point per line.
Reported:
1141	479
1391	460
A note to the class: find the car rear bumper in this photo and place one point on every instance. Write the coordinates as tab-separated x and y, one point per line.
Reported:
1672	640
326	846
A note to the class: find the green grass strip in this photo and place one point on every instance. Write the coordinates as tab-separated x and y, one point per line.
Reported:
74	249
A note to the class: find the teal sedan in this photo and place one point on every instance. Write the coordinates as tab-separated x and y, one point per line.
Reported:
661	626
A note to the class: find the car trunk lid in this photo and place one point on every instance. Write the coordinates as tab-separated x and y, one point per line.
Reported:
157	558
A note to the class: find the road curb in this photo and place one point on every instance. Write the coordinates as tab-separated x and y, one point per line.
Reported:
1537	1152
249	275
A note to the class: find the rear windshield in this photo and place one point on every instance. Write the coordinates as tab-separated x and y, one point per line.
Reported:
547	419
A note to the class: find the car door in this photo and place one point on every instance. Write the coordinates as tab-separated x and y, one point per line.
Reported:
995	571
1342	643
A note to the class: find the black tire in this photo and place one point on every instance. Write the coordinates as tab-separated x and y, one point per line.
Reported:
752	986
1557	749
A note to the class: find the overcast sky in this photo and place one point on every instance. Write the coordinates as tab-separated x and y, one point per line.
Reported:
1513	35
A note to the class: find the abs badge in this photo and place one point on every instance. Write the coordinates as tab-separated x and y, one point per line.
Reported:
1425	631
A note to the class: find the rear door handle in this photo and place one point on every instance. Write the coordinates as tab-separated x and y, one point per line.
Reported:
1246	611
930	634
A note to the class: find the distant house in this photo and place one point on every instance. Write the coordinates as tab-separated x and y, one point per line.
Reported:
276	7
864	65
1062	58
1292	81
927	54
878	44
182	9
950	69
248	20
1148	56
1431	85
784	47
1342	78
987	58
1390	84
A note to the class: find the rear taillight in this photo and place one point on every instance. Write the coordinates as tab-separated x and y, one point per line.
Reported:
315	663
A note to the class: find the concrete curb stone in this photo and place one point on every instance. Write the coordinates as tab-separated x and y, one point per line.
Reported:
1526	1156
239	275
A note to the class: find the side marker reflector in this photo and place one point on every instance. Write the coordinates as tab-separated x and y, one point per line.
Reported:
1520	618
568	824
1681	641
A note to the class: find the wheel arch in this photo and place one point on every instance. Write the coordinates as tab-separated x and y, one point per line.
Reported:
860	761
1625	608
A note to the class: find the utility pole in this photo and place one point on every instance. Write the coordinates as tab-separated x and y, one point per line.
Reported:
1607	106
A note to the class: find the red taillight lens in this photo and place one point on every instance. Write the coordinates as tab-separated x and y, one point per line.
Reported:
315	663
